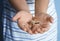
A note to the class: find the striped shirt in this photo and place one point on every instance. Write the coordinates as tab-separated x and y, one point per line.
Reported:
11	31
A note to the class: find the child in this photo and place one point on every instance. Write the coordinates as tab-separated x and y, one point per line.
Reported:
13	32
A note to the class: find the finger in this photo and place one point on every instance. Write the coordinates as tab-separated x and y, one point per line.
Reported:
45	25
42	30
17	16
38	30
29	31
46	29
23	28
28	28
30	24
51	19
35	32
22	25
35	26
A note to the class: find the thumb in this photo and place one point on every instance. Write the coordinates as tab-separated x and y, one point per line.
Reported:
50	19
17	16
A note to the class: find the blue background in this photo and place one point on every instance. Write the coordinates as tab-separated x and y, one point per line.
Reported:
57	4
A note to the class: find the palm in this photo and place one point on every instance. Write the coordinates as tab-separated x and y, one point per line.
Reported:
23	19
43	25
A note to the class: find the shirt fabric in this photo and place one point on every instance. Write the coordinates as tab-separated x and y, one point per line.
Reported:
11	31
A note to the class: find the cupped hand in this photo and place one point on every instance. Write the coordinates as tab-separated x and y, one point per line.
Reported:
41	22
23	19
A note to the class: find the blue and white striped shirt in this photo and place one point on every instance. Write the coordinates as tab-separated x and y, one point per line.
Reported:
11	31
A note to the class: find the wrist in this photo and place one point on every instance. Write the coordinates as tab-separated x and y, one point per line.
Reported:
39	13
23	11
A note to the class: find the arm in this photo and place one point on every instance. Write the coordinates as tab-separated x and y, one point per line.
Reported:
41	6
41	17
22	15
20	5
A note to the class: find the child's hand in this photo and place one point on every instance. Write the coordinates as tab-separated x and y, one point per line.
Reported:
42	23
23	19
